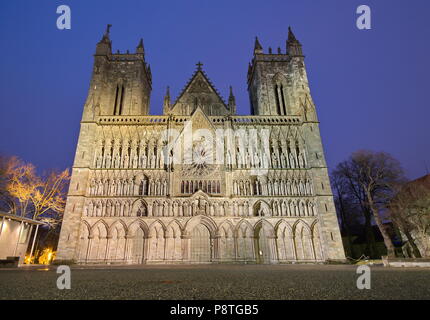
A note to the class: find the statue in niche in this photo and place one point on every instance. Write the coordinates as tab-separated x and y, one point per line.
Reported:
117	161
274	160
301	160
238	160
135	161
283	160
126	161
256	161
165	187
144	159
292	161
153	161
99	161
228	160
108	161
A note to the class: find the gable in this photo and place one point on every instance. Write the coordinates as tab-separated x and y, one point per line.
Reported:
199	93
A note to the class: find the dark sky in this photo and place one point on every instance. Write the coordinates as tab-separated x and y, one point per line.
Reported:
370	87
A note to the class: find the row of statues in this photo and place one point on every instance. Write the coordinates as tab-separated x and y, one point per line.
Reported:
159	187
262	160
128	187
272	187
116	160
154	157
121	208
207	186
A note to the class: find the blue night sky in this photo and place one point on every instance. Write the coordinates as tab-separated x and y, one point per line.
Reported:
370	87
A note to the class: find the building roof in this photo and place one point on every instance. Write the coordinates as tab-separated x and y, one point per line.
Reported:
18	218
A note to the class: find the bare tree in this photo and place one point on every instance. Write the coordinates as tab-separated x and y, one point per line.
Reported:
410	211
343	207
372	178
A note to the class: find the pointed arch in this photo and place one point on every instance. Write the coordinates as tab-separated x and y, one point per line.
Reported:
261	209
174	241
206	221
135	225
96	225
226	241
316	241
245	241
84	236
117	242
285	241
115	224
264	234
303	241
156	240
98	248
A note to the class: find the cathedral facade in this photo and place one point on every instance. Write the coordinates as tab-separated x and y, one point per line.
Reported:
199	184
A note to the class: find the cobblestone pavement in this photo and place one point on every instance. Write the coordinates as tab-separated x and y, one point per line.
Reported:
232	282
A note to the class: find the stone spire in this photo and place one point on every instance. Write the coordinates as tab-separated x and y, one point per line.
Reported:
294	47
104	46
257	46
291	36
232	102
166	104
140	49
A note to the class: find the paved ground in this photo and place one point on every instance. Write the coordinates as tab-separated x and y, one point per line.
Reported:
216	282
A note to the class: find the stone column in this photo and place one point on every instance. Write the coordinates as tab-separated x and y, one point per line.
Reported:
89	248
107	248
127	249
166	241
236	247
252	240
186	244
309	240
145	250
293	247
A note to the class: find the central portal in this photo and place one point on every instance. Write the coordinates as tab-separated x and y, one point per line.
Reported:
201	250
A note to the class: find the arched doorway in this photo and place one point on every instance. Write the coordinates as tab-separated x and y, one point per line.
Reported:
201	250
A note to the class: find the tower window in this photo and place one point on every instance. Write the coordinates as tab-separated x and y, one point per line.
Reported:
283	100
278	106
122	100
119	100
281	106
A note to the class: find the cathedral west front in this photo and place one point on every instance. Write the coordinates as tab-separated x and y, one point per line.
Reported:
199	183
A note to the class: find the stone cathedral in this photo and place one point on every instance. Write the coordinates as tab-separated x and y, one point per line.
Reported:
199	184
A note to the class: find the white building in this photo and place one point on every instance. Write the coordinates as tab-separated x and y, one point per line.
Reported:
15	234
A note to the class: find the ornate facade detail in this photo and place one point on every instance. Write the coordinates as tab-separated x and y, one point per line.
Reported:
199	183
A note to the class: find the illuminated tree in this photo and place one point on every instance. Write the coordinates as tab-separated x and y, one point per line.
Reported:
30	195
